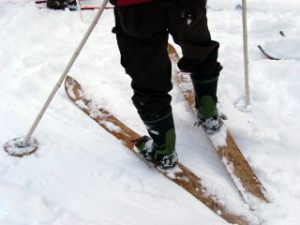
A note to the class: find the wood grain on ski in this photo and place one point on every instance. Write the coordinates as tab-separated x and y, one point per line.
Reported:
181	175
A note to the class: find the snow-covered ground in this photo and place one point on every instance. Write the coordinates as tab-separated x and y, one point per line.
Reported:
81	175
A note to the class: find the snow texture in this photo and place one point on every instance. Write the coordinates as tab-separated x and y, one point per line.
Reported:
219	139
81	175
284	48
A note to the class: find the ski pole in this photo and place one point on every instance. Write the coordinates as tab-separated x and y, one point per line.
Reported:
21	144
246	58
79	9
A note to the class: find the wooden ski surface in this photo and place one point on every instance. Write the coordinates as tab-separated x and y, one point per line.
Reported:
180	175
235	163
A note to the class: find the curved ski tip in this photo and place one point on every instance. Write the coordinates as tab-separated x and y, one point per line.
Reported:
266	54
171	48
172	52
70	81
73	88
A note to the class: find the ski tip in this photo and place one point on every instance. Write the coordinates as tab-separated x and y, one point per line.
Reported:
268	56
172	52
70	79
73	88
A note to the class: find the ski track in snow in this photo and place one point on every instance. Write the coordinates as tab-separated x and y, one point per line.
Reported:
81	175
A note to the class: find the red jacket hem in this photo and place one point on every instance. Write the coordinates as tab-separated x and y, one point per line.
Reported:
131	2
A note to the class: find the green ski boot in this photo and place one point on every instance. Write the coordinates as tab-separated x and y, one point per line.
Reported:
159	148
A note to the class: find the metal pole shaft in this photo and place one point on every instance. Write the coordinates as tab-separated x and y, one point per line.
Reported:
79	9
246	58
66	71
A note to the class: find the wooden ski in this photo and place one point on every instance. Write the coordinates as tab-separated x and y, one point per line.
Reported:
180	175
235	163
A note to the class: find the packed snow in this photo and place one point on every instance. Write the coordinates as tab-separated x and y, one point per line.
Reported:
82	175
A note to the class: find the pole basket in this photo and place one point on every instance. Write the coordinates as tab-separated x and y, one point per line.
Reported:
18	148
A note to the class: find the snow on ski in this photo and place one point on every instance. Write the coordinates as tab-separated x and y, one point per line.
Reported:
235	163
180	175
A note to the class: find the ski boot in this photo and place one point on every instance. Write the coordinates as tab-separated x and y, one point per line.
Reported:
208	116
72	5
160	148
206	100
62	4
155	154
56	4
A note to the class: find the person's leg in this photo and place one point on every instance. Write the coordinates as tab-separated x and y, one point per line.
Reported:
142	38
188	26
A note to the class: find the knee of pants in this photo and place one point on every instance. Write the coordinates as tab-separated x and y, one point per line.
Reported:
144	56
200	59
151	105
